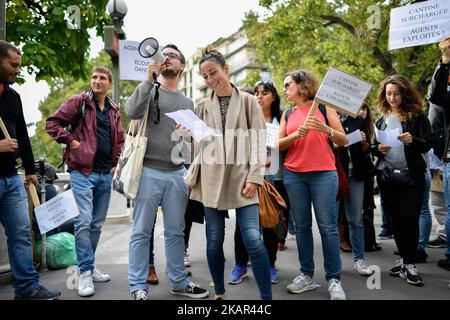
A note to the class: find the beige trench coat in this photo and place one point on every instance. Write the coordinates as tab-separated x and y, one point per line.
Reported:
230	160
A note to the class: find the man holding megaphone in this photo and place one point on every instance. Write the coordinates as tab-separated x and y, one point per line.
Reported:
161	180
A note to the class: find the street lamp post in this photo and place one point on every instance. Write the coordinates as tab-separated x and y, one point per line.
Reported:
117	10
3	20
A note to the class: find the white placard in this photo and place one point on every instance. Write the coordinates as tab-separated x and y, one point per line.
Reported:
343	91
388	137
418	24
272	134
56	211
132	66
188	119
354	137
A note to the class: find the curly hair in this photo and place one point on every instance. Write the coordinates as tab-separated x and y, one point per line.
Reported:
211	53
307	81
411	104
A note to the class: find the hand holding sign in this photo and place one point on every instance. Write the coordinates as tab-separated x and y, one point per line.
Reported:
445	49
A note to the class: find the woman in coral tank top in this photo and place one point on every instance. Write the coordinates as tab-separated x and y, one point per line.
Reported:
310	177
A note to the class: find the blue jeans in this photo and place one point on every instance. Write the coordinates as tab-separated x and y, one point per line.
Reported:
386	229
447	202
425	222
319	188
165	188
92	194
248	220
354	209
14	218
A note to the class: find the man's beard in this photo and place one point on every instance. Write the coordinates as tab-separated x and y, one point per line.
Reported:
170	73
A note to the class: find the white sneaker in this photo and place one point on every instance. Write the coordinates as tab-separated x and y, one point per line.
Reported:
86	284
99	276
302	283
290	236
139	295
335	289
361	267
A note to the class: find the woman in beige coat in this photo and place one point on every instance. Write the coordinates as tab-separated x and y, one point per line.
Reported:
231	168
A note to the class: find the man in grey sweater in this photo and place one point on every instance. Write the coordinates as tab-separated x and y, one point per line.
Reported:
162	178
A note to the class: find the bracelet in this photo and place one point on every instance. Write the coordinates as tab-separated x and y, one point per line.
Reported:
331	135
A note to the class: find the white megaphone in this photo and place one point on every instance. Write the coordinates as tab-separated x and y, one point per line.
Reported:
149	48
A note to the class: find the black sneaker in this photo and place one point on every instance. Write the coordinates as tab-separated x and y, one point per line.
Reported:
409	272
192	290
437	243
421	256
395	271
444	263
40	293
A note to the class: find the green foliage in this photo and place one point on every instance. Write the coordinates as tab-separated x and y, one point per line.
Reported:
50	48
316	34
60	91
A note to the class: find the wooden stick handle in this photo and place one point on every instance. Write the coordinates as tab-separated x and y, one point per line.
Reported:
313	109
33	194
5	131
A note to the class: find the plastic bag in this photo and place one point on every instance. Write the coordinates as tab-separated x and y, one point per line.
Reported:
60	250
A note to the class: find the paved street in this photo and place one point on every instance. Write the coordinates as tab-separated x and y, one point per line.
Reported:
112	257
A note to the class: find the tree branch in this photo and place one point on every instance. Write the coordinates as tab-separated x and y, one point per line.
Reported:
336	20
34	6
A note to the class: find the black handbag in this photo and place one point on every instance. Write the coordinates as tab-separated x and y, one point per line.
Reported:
400	177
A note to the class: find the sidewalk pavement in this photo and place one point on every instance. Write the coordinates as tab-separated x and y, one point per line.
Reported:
112	258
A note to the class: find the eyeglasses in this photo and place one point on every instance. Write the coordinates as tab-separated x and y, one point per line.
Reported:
171	56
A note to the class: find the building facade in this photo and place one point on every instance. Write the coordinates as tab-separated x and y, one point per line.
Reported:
239	54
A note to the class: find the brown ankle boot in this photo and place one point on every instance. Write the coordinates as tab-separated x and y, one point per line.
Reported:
152	277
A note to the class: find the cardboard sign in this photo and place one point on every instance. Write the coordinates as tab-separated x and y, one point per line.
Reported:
418	24
56	211
132	66
343	91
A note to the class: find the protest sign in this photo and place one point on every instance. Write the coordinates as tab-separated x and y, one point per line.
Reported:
132	66
56	211
418	24
343	91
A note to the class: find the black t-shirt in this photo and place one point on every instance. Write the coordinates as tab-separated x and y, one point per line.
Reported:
103	155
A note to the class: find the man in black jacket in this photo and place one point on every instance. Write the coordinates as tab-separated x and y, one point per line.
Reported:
13	197
440	96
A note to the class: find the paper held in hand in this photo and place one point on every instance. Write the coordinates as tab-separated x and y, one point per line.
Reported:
343	92
389	137
272	134
354	137
56	211
188	119
419	24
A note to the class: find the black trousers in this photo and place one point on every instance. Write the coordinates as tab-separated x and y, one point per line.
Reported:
270	242
403	204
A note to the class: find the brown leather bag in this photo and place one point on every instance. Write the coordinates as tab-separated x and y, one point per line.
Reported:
270	205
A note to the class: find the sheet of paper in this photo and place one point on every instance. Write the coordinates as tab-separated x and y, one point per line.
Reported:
56	211
272	134
389	137
188	119
354	137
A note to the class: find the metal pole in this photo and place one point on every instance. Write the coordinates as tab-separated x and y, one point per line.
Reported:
116	80
44	237
3	20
